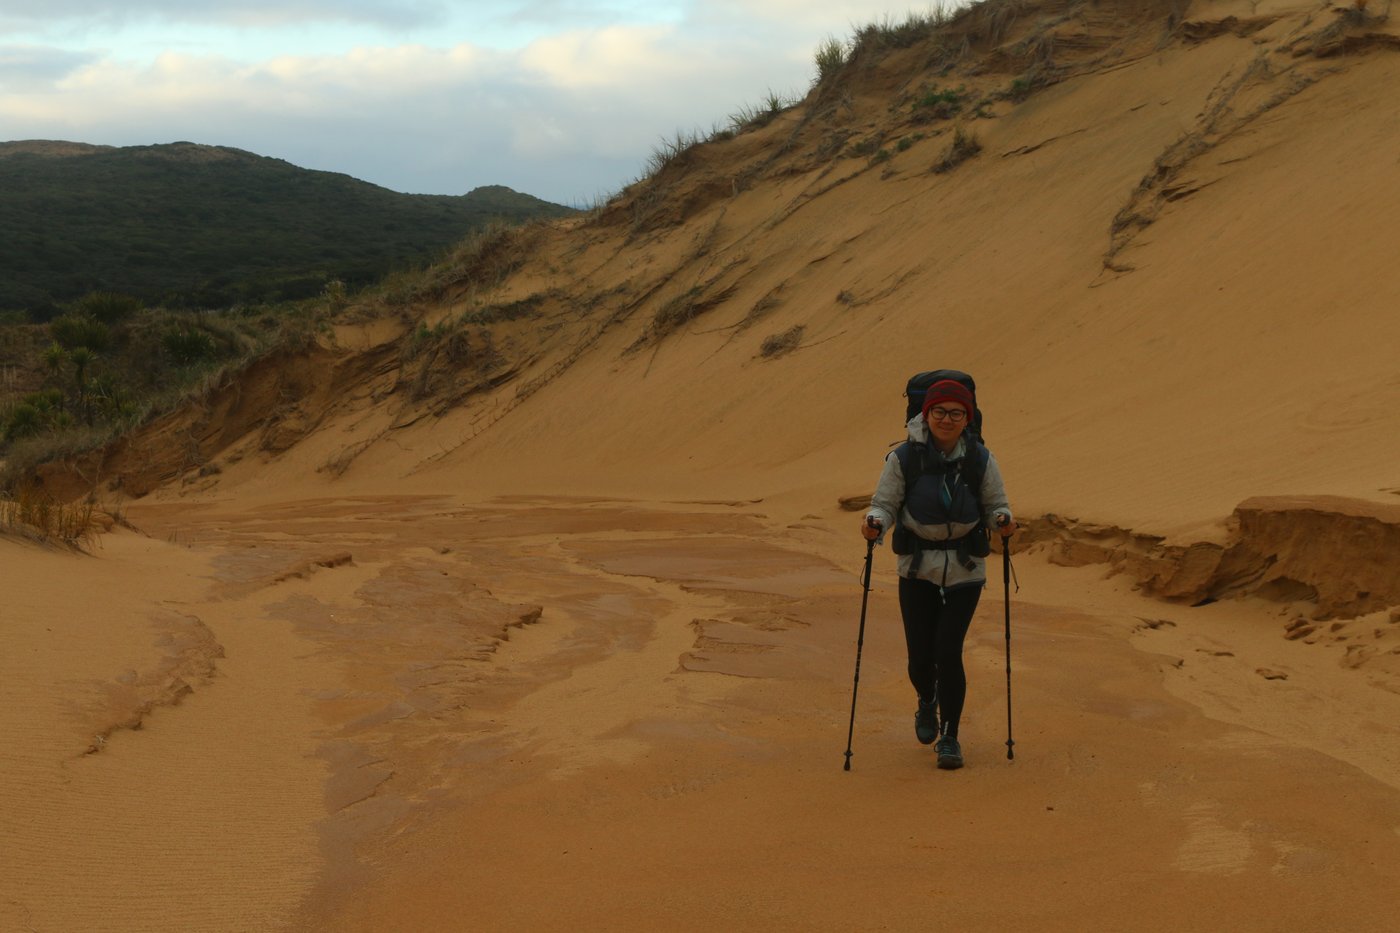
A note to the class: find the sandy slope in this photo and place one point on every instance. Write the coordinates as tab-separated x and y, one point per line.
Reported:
552	619
1170	271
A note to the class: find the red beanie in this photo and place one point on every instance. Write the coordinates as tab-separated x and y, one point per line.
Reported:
947	390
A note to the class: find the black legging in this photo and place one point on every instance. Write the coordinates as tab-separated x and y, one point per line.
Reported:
934	627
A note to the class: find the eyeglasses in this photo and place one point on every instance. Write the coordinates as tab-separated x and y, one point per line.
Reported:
949	414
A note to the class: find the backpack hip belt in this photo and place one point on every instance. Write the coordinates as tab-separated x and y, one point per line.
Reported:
976	543
919	543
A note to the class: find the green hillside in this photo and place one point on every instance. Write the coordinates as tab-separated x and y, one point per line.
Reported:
209	226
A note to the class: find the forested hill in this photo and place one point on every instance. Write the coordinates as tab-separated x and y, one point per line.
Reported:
211	226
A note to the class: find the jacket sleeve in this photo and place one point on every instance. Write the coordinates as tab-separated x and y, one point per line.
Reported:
888	499
994	501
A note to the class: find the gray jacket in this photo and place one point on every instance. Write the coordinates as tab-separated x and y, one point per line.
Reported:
940	567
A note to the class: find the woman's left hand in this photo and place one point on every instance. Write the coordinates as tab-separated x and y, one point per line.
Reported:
1006	527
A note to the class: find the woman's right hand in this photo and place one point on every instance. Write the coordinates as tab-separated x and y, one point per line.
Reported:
870	528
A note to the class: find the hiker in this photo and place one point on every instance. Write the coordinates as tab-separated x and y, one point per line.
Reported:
939	521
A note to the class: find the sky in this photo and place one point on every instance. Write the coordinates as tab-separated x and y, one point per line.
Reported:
562	100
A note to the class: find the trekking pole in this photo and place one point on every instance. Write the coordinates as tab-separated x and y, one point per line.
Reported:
860	642
1006	583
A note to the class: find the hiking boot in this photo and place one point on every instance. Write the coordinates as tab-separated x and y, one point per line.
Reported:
949	753
926	721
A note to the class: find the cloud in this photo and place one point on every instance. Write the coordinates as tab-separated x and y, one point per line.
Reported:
99	15
28	66
381	73
554	15
612	57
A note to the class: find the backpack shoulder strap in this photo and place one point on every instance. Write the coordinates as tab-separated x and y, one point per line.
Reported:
974	467
911	463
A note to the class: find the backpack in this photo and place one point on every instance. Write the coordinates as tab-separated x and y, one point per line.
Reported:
914	463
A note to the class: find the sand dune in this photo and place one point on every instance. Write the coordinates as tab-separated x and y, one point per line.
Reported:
550	617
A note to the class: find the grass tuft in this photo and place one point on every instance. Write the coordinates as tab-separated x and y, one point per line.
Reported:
913	29
671	152
831	57
964	146
675	313
935	104
753	117
31	514
776	345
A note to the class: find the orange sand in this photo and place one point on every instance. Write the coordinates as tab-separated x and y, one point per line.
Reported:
552	622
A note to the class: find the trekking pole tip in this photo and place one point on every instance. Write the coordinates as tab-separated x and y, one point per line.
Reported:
847	766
